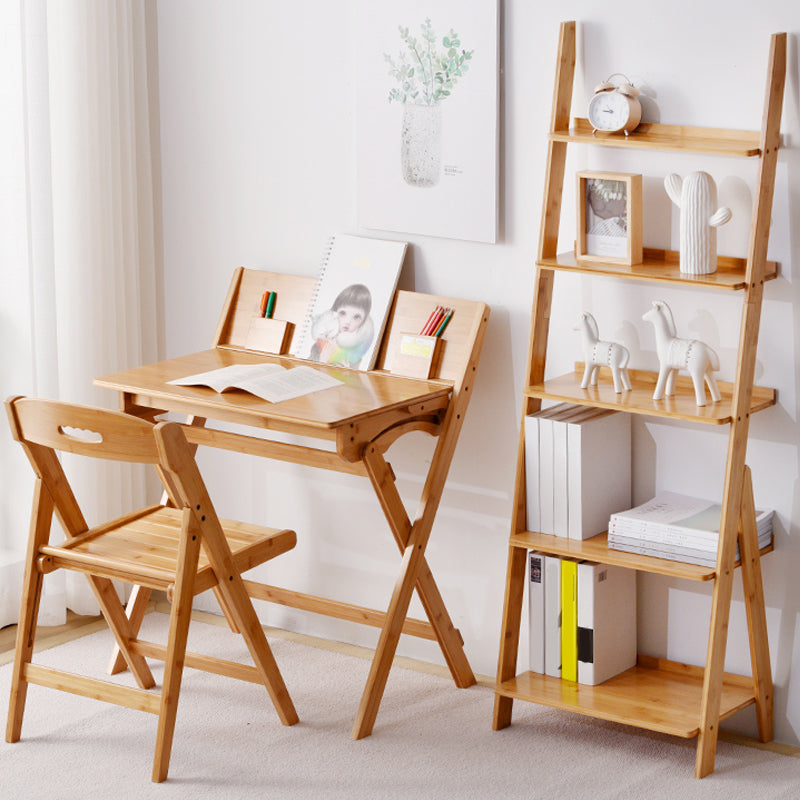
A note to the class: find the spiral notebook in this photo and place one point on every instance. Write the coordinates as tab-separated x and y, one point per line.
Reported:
351	301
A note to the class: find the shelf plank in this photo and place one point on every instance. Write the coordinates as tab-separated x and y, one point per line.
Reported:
656	694
639	400
597	550
663	266
655	136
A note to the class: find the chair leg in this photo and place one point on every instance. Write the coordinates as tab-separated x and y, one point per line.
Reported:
180	616
134	611
29	610
114	613
242	611
24	649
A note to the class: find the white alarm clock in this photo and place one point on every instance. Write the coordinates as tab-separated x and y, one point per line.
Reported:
615	107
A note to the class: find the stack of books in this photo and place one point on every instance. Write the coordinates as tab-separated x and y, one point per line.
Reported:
577	469
582	618
678	528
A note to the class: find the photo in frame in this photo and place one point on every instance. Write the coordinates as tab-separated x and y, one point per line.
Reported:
609	217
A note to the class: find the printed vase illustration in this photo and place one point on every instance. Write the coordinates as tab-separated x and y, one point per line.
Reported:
421	144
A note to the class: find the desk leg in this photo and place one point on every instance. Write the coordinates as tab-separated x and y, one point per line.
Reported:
415	573
382	477
387	644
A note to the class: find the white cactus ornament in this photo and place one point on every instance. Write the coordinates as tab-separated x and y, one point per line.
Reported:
696	196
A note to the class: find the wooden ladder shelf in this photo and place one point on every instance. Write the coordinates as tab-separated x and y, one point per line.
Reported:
657	694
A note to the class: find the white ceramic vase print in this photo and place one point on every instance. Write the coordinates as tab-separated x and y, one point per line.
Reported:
696	196
421	144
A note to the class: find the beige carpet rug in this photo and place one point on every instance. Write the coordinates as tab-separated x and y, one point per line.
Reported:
431	740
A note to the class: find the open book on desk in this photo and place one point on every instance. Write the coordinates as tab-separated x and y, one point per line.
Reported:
270	382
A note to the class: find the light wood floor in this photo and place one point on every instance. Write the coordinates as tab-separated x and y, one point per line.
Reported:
77	626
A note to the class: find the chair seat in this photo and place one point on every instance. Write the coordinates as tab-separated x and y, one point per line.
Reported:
143	549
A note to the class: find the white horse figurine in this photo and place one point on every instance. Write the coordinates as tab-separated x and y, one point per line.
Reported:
696	357
598	354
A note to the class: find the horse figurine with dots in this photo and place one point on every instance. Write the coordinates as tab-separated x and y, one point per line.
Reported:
692	355
598	354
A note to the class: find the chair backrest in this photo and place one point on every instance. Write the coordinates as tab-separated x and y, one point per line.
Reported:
84	430
46	427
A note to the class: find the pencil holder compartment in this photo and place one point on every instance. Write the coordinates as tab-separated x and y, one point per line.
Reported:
269	335
416	356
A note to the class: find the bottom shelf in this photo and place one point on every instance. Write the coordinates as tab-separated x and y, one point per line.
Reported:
656	694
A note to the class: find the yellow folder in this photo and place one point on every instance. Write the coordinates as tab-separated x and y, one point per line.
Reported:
569	620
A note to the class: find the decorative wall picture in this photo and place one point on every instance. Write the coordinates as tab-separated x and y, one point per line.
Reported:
427	118
610	217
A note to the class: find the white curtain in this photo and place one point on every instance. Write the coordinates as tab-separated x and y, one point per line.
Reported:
79	266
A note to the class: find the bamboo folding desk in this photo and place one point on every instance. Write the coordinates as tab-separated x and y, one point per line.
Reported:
363	417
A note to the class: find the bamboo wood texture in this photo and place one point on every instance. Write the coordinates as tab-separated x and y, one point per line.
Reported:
537	355
737	447
597	550
656	136
367	401
639	400
684	701
182	550
663	266
657	695
362	418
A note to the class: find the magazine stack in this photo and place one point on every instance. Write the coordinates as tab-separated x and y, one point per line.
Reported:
678	528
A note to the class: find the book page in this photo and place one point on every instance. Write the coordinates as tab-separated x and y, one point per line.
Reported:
289	383
348	310
270	382
231	377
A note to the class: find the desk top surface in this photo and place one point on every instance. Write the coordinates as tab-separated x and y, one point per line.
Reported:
362	396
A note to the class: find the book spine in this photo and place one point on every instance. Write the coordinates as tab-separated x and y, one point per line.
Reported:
536	609
533	514
569	620
552	616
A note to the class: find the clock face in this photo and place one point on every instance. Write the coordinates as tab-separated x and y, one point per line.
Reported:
609	111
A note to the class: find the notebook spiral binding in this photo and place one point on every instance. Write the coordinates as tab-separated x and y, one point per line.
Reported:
304	340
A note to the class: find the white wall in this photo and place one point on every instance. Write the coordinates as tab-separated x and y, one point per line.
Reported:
258	169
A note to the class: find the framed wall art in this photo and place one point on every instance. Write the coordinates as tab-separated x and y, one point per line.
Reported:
609	217
427	117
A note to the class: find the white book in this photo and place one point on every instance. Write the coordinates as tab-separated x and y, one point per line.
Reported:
533	474
687	554
553	466
536	605
552	616
662	551
599	459
351	301
270	382
533	521
606	621
561	463
546	481
671	514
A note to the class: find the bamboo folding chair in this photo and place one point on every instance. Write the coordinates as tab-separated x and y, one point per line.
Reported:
182	549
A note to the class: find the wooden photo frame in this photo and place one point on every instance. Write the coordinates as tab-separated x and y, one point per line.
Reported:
609	217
